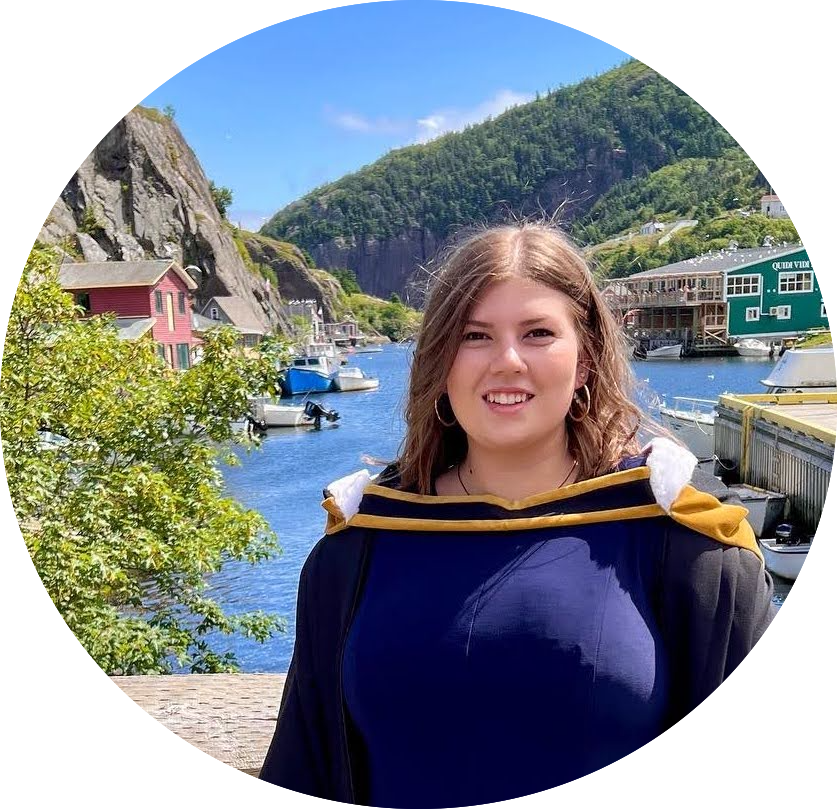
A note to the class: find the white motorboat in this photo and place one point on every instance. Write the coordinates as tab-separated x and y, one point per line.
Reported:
803	370
693	422
354	379
783	559
271	413
666	351
750	347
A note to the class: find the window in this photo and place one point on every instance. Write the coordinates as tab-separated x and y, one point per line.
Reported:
822	310
743	285
783	312
158	302
796	281
161	351
183	356
751	313
181	302
213	313
170	310
83	300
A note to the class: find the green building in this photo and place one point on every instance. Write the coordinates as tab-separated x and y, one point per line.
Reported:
715	299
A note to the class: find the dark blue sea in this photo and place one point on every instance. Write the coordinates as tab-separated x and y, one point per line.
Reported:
284	479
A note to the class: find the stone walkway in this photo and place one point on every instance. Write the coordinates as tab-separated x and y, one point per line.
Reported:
231	717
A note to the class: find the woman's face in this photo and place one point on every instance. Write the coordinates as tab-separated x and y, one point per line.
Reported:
512	381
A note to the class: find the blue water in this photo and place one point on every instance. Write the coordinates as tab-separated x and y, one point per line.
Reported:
284	479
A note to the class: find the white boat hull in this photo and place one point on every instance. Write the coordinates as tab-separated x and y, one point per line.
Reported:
695	431
351	378
751	347
278	415
784	560
670	352
348	383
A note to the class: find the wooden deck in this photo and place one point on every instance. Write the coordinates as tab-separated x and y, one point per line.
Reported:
231	717
814	414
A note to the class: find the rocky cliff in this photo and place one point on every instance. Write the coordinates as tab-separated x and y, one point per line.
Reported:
294	278
141	193
383	266
397	263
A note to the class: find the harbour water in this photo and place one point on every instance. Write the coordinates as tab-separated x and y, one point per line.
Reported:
284	479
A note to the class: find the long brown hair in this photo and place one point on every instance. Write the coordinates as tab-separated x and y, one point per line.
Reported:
542	254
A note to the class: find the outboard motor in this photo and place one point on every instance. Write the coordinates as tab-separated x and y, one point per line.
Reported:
255	426
314	410
785	535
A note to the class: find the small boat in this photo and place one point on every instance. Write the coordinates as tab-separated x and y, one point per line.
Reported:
267	413
750	347
803	370
368	350
270	413
693	422
354	379
660	351
784	556
313	371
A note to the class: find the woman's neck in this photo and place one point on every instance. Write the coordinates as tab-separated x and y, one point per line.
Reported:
519	475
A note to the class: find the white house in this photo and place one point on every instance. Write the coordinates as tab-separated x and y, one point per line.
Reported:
772	206
651	228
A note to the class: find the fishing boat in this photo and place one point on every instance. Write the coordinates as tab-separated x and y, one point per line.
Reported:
312	371
798	370
270	413
354	379
750	347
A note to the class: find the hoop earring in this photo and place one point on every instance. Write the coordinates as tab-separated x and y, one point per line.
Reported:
577	399
441	420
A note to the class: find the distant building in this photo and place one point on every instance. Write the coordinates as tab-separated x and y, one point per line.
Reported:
309	312
772	206
230	310
346	331
145	296
764	292
652	228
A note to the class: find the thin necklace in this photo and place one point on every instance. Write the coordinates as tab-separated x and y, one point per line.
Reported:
563	482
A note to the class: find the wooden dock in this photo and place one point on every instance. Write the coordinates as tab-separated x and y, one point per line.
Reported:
231	717
783	443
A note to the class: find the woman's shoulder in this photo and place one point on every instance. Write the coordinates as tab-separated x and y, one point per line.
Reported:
701	506
342	497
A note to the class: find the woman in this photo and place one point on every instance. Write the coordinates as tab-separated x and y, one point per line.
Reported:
525	596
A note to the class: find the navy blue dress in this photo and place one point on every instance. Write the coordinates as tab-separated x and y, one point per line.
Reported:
488	666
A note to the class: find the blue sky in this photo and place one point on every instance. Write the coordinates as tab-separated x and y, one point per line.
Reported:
303	102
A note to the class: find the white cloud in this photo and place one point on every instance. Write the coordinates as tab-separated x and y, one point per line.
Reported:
453	119
435	123
355	122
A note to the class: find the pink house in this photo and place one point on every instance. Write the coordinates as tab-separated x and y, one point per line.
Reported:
144	295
